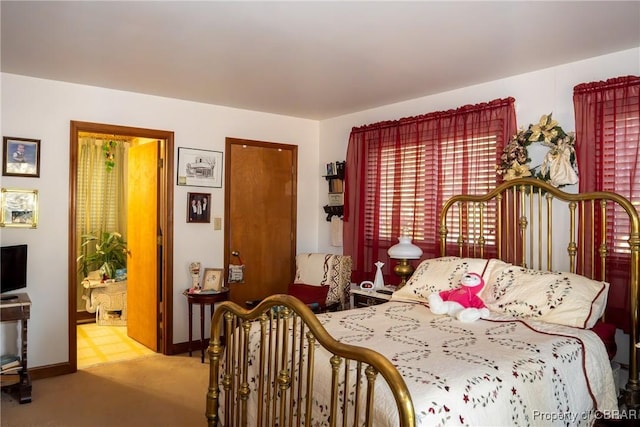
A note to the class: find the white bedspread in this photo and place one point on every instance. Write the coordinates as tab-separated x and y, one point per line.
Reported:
497	372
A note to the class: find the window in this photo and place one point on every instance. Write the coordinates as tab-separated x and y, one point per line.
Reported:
479	178
620	166
399	189
608	146
608	152
398	174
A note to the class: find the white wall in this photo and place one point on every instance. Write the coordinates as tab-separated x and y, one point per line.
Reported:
43	109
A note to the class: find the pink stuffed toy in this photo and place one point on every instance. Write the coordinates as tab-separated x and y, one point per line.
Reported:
463	303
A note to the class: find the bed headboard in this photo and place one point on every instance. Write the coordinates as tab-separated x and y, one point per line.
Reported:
272	349
530	223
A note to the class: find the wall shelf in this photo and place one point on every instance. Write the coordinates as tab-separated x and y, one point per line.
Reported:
335	181
333	210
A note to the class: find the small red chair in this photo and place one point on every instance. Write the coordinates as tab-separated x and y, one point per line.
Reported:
322	281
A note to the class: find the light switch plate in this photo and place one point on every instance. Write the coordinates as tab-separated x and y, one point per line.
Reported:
217	223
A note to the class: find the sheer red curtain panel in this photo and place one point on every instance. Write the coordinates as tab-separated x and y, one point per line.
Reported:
608	152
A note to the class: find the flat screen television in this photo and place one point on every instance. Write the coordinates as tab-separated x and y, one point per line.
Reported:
13	267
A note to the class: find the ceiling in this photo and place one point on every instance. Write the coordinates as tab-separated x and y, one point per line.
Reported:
305	59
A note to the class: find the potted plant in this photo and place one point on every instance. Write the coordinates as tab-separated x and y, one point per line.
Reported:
110	253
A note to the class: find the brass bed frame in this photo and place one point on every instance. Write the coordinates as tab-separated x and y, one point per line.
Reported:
521	221
288	333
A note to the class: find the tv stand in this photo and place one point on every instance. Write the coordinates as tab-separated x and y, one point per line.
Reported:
11	310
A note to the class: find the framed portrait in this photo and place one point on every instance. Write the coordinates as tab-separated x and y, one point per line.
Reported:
20	157
198	207
19	208
199	168
212	279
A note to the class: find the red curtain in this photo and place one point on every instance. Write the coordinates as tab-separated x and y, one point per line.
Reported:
399	173
608	154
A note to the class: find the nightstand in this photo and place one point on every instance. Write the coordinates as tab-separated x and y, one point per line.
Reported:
362	298
203	299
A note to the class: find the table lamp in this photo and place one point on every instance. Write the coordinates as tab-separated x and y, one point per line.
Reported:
404	251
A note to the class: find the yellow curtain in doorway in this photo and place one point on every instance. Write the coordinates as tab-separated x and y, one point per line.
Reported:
101	193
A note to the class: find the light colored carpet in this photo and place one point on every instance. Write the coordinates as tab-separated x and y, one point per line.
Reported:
153	390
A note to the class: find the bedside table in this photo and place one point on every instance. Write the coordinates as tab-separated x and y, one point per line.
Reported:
203	299
362	298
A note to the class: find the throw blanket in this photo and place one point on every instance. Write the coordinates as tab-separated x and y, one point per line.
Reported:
498	372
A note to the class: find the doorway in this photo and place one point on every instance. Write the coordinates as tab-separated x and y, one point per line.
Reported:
260	212
159	286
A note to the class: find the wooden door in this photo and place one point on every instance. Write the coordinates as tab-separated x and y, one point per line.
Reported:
261	216
142	242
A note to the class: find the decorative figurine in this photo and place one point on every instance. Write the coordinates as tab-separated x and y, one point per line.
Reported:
378	282
194	269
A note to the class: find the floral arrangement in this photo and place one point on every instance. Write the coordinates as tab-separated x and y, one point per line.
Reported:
109	156
559	167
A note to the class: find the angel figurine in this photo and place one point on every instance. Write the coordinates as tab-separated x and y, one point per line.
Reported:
557	163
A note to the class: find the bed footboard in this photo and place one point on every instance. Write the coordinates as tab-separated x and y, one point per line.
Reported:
277	365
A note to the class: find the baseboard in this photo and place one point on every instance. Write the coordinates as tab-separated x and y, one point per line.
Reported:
83	317
49	371
183	347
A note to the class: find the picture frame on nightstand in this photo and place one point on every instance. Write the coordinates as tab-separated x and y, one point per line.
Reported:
212	279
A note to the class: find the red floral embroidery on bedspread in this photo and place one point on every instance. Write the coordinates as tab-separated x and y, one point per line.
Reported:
458	373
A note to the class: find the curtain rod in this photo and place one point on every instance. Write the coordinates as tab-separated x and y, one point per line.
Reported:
105	136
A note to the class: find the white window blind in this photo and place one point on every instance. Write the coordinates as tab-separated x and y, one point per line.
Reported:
620	154
412	175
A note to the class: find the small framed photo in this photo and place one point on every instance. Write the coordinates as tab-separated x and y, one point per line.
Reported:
19	208
20	157
198	207
212	279
199	168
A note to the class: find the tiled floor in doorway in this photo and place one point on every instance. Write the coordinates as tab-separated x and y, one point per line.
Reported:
101	344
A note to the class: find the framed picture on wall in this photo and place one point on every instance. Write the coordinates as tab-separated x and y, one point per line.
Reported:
20	157
198	207
19	208
199	168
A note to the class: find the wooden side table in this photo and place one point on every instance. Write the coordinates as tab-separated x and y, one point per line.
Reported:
17	307
203	299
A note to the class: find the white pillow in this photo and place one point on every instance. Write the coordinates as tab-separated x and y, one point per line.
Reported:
438	274
554	297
